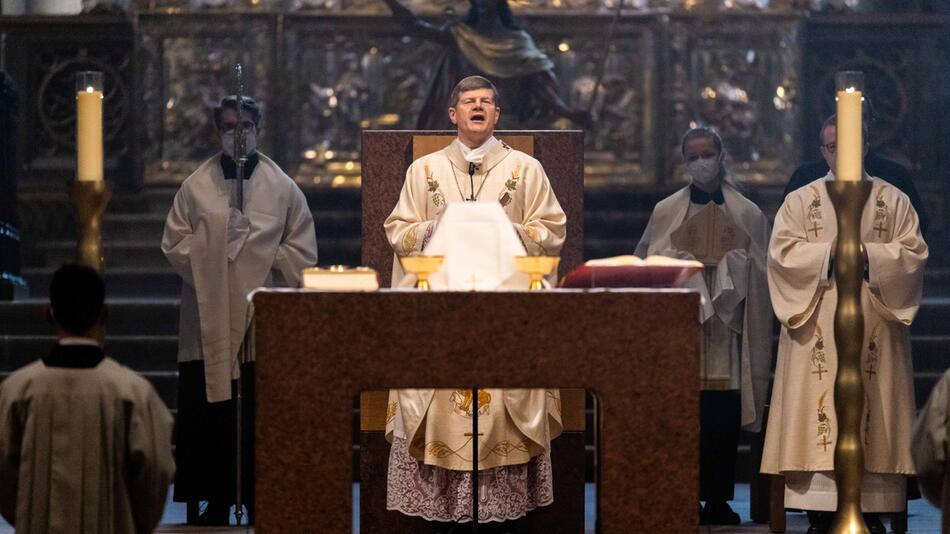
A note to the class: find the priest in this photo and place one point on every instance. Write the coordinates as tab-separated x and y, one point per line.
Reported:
85	443
515	425
735	313
223	250
802	427
476	167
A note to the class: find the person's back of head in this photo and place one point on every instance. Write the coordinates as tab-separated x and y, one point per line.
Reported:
77	301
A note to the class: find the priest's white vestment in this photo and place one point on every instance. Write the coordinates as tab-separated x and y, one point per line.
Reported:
736	313
505	175
278	238
518	424
83	450
802	427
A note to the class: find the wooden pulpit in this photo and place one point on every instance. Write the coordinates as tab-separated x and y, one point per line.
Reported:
636	350
387	154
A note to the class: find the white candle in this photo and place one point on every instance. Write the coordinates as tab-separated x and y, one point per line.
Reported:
850	142
89	134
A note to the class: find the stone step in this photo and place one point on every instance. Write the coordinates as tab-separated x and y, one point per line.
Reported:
126	317
931	353
148	226
148	254
931	319
140	254
160	199
121	282
141	353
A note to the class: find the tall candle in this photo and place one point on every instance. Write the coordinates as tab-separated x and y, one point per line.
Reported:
89	129
850	141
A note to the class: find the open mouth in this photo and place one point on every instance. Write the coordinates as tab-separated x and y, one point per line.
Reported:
478	118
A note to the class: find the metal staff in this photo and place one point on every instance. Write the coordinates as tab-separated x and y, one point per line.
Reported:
240	158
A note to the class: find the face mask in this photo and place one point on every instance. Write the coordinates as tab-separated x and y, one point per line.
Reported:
703	172
250	137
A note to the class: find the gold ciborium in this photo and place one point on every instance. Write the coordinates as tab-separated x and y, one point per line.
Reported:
536	267
422	267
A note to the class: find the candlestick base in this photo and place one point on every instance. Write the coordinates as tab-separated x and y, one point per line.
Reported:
89	200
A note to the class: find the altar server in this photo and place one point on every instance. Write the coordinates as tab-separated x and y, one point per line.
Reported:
85	443
223	251
735	313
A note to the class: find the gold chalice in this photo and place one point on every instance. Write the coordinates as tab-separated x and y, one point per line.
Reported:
422	267
537	267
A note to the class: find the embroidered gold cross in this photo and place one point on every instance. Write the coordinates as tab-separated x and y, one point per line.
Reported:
819	371
880	228
469	434
815	228
824	443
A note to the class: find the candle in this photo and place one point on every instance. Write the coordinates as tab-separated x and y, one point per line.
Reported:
850	141
89	126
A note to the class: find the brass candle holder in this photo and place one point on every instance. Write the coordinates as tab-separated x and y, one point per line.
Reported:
89	200
849	199
537	267
422	267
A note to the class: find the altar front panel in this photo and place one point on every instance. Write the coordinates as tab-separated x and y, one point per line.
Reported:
636	350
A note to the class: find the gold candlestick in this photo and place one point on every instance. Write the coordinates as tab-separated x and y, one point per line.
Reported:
849	198
89	199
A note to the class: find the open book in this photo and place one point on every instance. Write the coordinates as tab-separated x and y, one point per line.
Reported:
631	260
632	271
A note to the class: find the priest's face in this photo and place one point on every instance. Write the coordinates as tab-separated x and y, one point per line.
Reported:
828	147
476	115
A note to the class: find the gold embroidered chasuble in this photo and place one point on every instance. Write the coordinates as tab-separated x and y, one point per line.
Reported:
515	425
507	176
802	427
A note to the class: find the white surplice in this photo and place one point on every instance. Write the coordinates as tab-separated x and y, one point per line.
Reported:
736	313
929	449
215	312
802	427
83	450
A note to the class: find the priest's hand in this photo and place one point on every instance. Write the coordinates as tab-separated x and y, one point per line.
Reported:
239	226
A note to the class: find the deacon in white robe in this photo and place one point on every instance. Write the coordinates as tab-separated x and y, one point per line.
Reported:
518	425
223	251
929	449
802	427
85	443
736	316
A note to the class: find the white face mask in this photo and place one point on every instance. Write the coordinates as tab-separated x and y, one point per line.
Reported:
250	137
703	172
